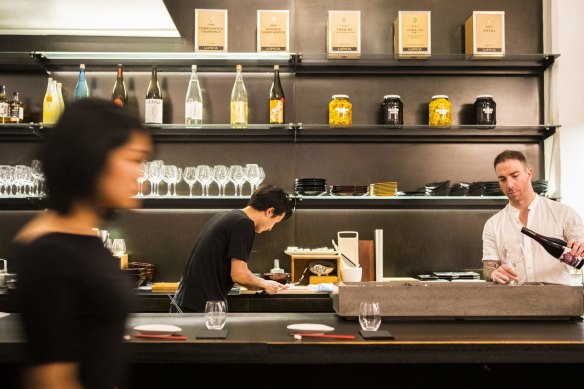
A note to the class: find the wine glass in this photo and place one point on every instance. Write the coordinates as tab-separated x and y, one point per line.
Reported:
204	176
118	247
369	315
215	314
190	177
36	169
178	179
514	258
169	175
252	173
221	177
143	170
237	177
154	175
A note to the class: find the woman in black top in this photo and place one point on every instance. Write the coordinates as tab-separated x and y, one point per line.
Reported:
73	298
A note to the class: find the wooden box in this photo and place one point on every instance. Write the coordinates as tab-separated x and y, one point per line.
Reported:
299	263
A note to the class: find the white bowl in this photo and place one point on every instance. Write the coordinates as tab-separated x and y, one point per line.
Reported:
351	274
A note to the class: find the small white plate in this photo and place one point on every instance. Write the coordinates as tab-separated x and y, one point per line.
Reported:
158	329
308	328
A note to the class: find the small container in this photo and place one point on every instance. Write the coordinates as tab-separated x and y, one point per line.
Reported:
392	110
440	111
340	111
485	110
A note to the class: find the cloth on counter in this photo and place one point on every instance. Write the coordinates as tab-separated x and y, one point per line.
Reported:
324	287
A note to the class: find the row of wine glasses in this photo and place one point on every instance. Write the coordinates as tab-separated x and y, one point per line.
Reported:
22	180
156	171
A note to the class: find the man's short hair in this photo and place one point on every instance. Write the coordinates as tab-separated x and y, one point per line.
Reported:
510	154
271	196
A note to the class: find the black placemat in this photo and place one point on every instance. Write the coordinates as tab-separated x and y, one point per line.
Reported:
212	334
382	334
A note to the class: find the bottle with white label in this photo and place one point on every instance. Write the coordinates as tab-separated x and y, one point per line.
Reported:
194	101
153	105
238	102
4	106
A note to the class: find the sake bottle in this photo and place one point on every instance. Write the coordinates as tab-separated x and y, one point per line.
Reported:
50	104
194	101
276	100
153	105
238	101
119	93
81	89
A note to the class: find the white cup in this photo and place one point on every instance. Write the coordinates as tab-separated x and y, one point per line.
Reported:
369	315
351	274
215	314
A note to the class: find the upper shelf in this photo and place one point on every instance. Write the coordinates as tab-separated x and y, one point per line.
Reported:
300	63
298	133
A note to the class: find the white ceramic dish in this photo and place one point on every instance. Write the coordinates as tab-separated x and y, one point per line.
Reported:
158	329
308	328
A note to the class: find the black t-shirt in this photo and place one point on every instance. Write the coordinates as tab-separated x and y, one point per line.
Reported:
74	301
207	273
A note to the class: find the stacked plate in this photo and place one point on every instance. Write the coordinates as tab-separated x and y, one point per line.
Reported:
540	186
459	189
441	188
491	188
383	188
310	186
348	190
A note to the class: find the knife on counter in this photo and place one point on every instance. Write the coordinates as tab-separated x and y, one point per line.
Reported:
170	337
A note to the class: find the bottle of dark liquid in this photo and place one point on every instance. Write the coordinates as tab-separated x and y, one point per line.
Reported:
557	248
153	106
4	106
16	109
119	94
276	100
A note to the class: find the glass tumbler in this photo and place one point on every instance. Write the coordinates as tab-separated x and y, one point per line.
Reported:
215	314
369	315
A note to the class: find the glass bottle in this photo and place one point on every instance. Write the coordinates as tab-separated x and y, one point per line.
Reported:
194	101
239	101
81	89
59	88
16	109
119	93
557	248
153	106
440	112
4	106
50	103
276	100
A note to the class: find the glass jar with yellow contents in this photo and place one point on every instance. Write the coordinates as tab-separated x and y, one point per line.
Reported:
439	111
340	111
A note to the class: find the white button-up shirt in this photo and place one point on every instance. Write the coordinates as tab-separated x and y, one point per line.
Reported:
546	217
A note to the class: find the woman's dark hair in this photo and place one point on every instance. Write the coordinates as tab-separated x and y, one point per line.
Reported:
76	149
268	196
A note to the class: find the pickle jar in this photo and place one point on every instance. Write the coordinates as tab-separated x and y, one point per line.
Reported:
340	111
392	110
440	111
485	111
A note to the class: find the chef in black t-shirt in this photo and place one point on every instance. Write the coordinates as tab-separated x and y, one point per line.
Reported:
219	256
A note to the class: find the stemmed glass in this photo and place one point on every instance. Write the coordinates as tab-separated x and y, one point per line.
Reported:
169	175
221	177
154	175
21	178
252	173
178	179
6	179
513	252
143	169
204	176
190	177
261	178
36	170
237	177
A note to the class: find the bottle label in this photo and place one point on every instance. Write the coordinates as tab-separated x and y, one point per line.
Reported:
194	110
21	113
277	111
571	260
153	109
4	110
239	112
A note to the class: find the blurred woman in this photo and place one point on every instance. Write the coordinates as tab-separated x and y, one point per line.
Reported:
73	298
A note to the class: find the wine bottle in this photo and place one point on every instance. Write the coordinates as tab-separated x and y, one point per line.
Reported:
276	100
4	106
119	94
153	104
50	103
194	101
81	89
557	248
16	109
238	101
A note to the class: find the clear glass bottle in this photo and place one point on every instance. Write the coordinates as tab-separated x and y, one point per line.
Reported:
194	101
239	110
16	109
4	106
81	89
276	100
119	93
153	105
50	103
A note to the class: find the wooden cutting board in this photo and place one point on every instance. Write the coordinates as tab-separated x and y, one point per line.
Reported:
367	259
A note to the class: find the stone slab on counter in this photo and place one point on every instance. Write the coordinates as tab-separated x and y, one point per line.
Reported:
470	300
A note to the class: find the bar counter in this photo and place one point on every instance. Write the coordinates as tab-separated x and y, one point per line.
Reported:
259	344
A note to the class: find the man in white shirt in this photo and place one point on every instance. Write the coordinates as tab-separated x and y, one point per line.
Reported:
540	214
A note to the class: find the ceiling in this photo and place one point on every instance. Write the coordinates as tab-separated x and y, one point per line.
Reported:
146	18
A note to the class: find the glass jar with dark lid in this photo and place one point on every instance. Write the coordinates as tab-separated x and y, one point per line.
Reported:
485	111
392	110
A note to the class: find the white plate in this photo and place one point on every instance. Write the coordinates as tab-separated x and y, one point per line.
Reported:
308	328
158	329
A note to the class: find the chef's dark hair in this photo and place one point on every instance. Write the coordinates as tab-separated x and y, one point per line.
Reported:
510	154
271	196
76	149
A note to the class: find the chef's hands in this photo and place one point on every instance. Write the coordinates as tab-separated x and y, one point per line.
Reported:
577	248
504	273
272	287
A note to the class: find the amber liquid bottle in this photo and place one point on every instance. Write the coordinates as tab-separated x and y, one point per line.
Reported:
120	94
555	247
276	100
